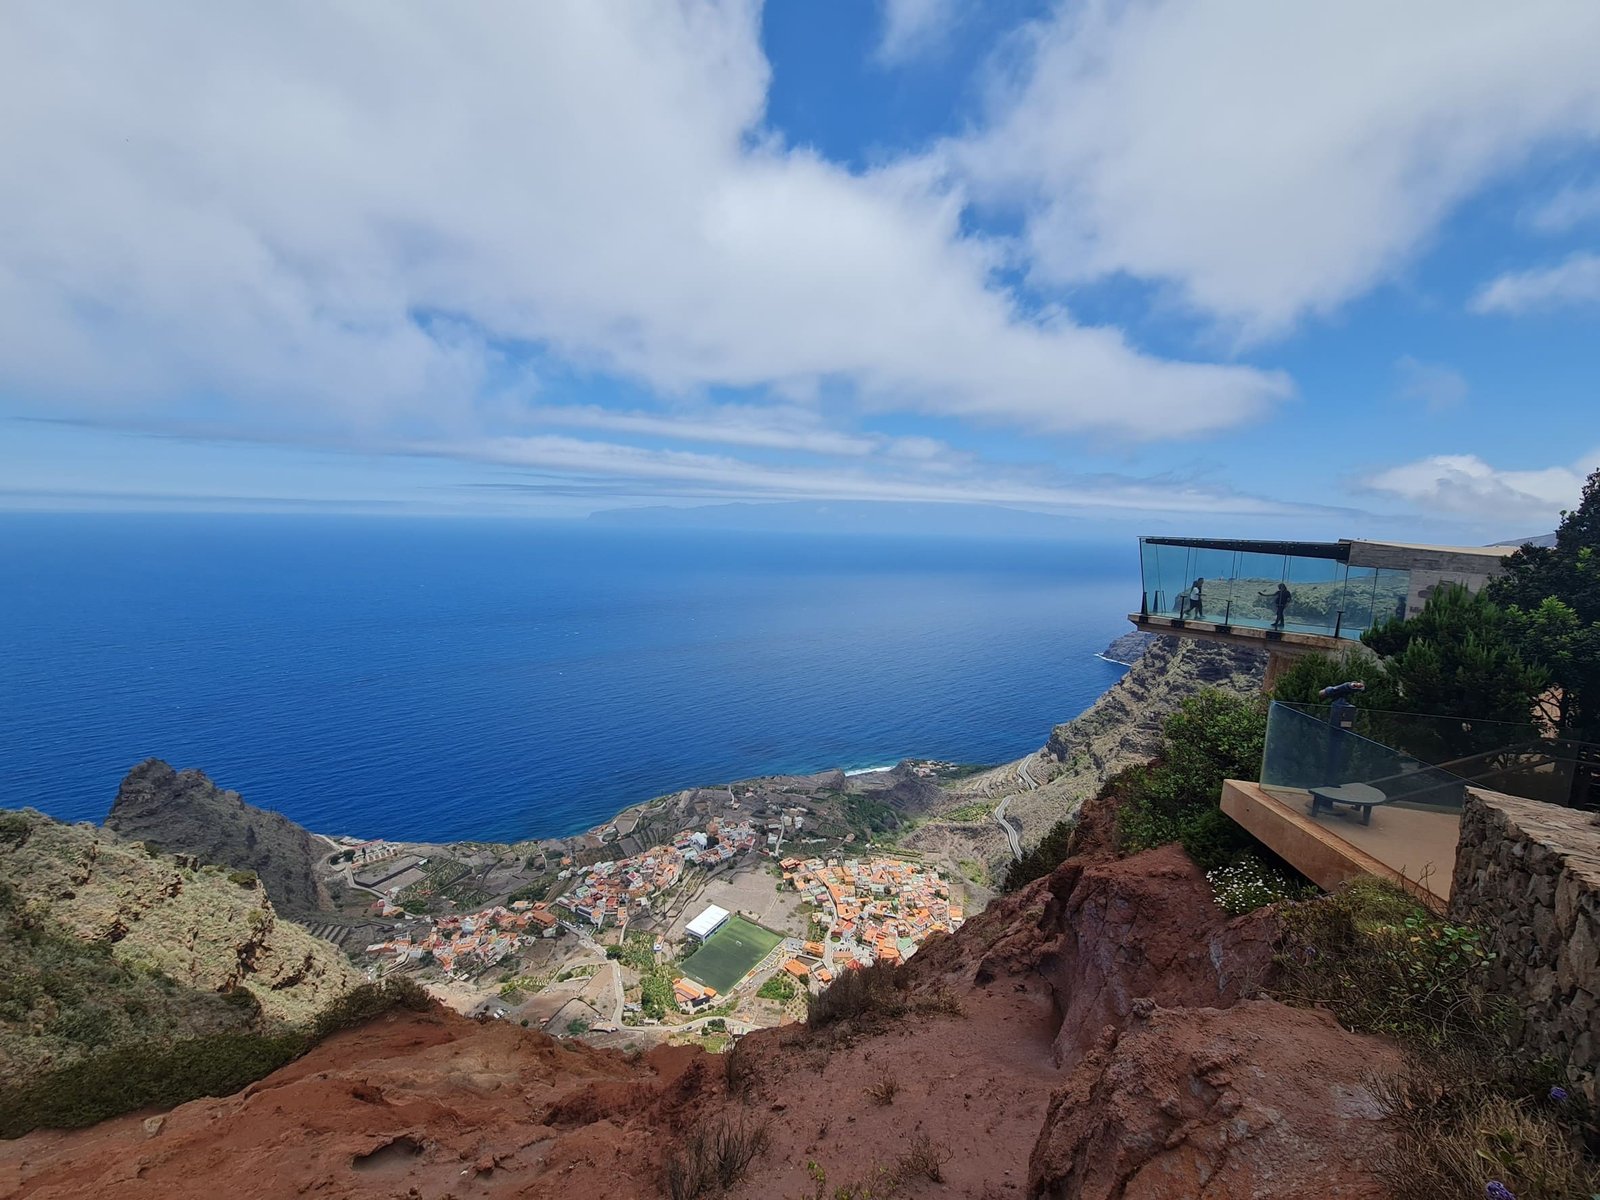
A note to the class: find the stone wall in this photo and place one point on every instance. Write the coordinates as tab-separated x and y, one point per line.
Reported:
1528	874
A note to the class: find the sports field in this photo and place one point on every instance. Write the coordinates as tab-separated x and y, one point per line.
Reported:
729	953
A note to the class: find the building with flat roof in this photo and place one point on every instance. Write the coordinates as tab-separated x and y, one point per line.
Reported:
707	923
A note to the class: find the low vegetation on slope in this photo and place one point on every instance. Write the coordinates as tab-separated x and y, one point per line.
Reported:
130	978
1174	798
1470	1112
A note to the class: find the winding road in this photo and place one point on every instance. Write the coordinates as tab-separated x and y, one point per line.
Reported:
1011	830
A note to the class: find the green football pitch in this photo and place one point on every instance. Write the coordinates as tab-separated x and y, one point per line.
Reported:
729	953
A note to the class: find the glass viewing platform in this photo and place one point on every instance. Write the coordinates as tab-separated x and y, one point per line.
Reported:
1392	785
1282	587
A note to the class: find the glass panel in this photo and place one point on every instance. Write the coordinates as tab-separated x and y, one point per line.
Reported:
1358	593
1389	595
1150	574
1172	578
1208	592
1256	578
1251	589
1416	758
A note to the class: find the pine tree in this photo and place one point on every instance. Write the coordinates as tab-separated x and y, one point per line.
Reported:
1551	595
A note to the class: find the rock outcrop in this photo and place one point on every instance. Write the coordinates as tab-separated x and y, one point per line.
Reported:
1129	648
1088	1036
1251	1101
1123	726
183	812
107	944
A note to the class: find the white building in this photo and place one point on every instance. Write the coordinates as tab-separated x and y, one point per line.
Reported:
707	923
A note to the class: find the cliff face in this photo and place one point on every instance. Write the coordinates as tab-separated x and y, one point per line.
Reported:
184	812
1123	727
1120	729
1084	1037
106	945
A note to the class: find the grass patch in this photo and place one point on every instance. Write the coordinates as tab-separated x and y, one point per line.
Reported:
1468	1110
1457	1133
883	1092
730	953
1384	964
780	987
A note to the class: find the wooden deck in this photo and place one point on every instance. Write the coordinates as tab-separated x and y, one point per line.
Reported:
1413	847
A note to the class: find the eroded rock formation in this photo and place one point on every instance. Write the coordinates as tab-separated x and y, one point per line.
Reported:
1088	1036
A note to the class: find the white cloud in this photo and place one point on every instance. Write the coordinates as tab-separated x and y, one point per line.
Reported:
1431	384
770	427
1572	206
913	27
1466	485
1268	161
685	473
1574	280
357	214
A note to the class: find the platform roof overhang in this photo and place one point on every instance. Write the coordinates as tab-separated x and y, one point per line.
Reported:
1338	551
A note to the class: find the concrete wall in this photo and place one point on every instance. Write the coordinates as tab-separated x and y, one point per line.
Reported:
1529	875
1431	565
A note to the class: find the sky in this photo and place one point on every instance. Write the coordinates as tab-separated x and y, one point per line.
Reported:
1289	269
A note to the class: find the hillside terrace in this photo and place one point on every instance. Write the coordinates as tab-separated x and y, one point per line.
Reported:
883	908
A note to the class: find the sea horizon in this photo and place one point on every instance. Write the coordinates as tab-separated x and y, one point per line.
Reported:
496	681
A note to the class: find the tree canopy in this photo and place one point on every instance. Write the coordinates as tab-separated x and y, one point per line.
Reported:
1551	597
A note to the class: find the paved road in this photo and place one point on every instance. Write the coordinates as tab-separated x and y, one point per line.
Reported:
1011	832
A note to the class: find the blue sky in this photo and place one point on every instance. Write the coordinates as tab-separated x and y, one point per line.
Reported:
1288	269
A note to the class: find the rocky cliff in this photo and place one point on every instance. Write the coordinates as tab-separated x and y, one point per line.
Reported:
1091	1035
184	812
106	944
1120	729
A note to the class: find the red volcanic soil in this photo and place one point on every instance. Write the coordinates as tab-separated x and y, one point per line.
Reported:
1104	1048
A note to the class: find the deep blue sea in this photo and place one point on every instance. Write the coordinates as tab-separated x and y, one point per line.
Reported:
452	679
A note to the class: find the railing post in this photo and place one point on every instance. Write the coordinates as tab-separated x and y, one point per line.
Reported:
1144	604
1338	622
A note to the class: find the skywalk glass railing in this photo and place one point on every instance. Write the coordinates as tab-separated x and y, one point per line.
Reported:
1418	761
1289	587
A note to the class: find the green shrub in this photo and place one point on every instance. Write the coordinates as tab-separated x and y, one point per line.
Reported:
1382	963
360	1004
141	1075
245	879
1213	736
15	829
779	987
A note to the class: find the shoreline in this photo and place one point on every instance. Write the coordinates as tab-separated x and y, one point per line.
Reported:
1117	661
642	806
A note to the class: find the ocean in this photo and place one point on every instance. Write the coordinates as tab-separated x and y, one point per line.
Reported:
453	679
